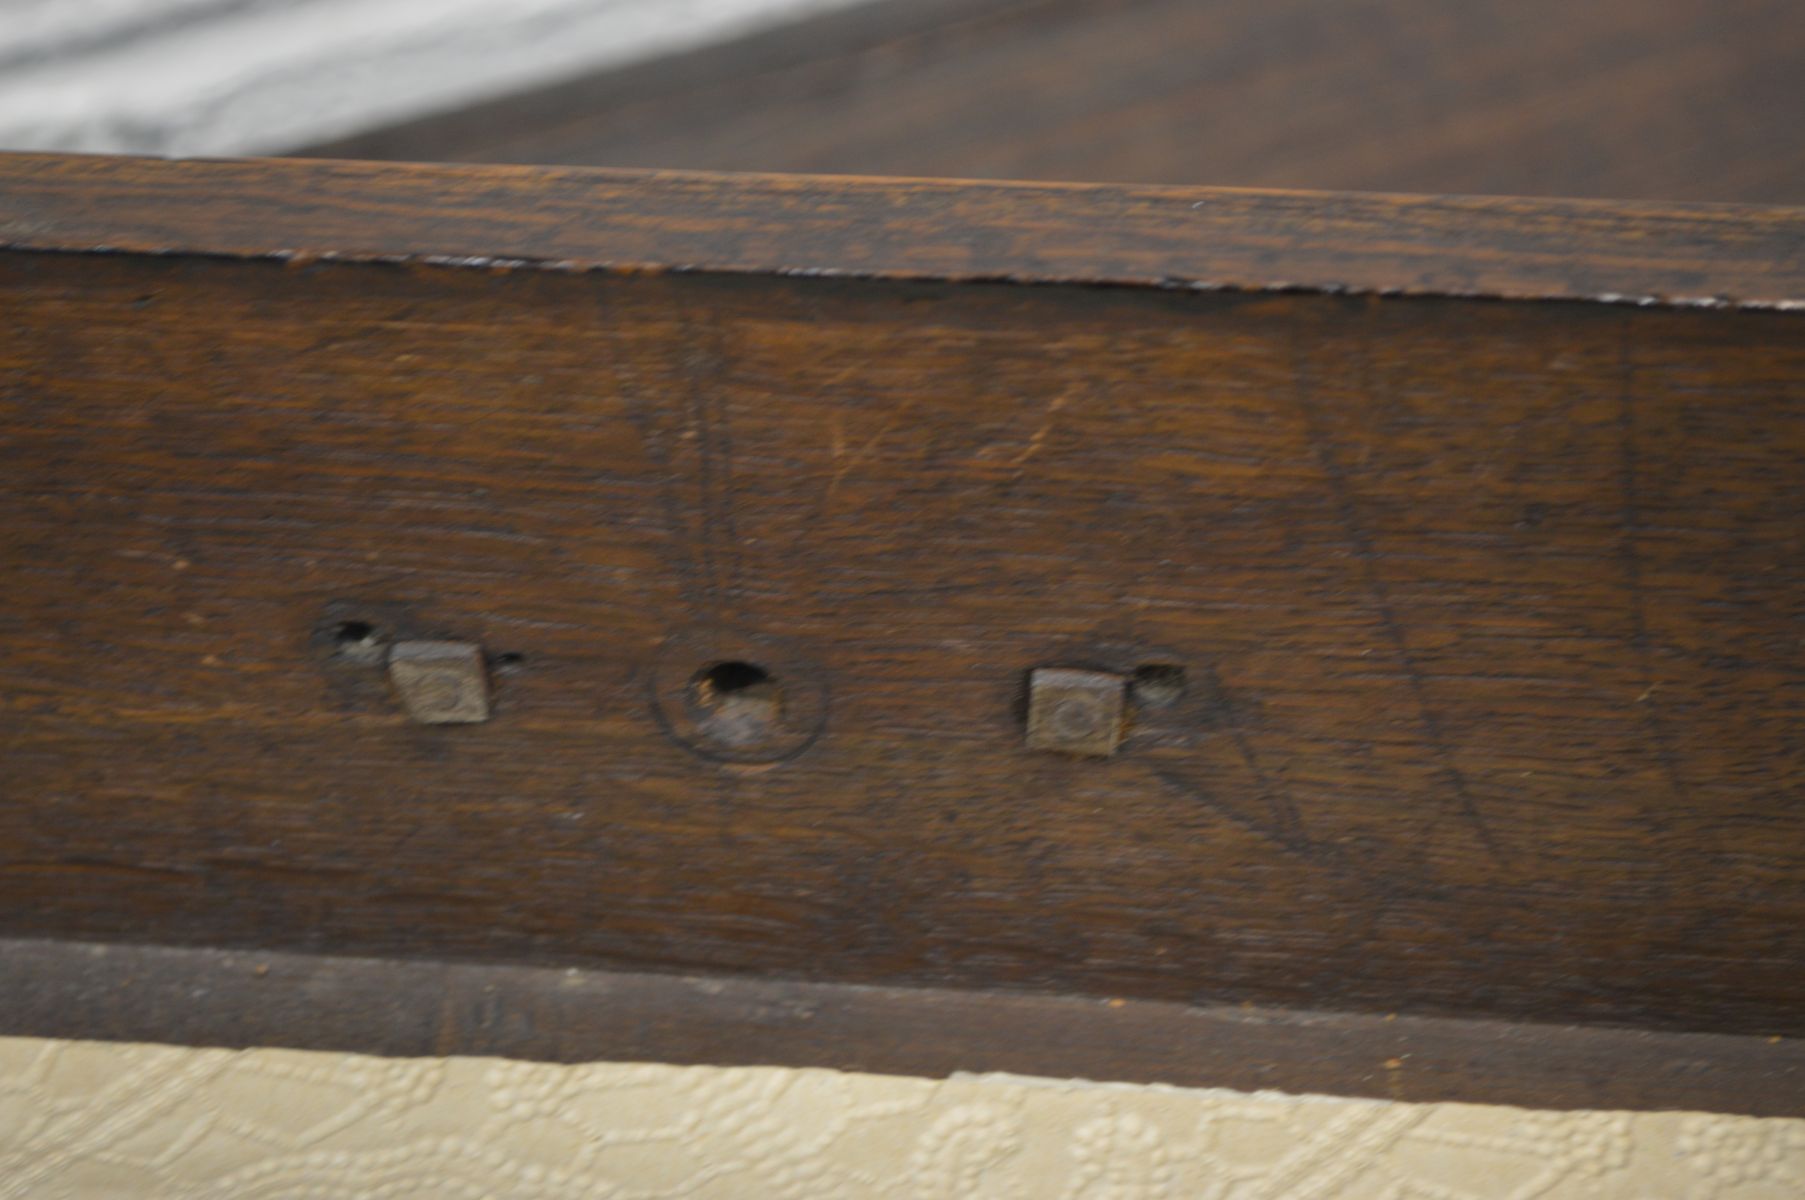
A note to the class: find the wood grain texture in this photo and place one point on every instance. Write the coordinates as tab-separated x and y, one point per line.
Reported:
419	1008
1179	238
1652	99
1489	610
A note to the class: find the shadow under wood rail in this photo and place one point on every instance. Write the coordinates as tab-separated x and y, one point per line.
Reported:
547	569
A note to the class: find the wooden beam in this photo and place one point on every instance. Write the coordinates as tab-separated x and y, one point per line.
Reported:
1454	598
412	1008
1082	235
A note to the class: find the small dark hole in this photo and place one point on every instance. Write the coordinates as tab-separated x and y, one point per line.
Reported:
356	642
736	703
351	633
1157	685
509	659
724	679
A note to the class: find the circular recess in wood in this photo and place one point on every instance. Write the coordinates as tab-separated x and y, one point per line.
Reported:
737	697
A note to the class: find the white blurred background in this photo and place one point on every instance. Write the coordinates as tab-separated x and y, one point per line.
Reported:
221	77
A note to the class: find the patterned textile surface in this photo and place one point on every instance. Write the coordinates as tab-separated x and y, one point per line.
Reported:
85	1119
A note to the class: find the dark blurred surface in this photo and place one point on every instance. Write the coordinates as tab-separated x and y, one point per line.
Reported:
1671	99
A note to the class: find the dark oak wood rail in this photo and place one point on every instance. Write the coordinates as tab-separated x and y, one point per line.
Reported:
1474	527
410	1008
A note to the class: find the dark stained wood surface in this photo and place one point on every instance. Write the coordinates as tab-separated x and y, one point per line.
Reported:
1650	99
414	1008
1489	610
1199	239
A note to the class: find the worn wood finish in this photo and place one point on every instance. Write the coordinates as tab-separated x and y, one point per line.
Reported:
1489	610
414	1008
1195	239
1657	99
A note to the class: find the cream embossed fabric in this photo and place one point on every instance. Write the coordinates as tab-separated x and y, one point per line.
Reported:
86	1119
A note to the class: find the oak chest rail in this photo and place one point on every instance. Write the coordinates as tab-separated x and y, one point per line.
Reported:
563	612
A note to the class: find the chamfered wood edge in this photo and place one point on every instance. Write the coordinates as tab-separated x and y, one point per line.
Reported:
412	1008
1696	255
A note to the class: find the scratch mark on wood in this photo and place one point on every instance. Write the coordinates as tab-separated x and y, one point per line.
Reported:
844	465
1649	708
1285	817
1039	437
645	412
1379	597
1271	831
718	536
1319	855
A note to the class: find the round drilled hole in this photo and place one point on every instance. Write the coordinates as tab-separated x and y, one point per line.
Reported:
724	682
350	633
357	642
736	703
737	697
1157	685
